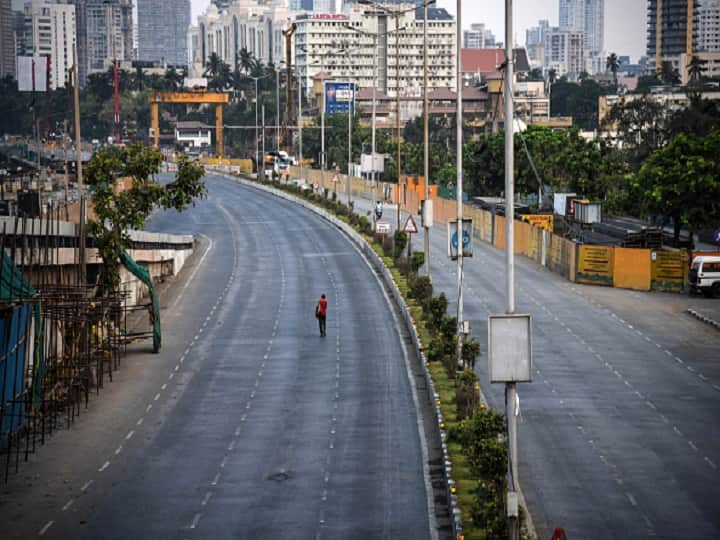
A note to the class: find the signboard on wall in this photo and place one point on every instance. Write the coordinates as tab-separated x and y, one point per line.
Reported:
339	97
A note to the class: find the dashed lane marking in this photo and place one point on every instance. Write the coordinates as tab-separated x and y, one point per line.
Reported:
104	466
68	505
46	527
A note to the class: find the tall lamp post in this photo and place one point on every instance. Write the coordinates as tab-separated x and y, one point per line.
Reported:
257	142
396	13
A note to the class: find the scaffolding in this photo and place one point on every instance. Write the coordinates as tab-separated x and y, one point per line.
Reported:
59	342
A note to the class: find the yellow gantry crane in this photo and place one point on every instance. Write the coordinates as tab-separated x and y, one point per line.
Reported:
199	96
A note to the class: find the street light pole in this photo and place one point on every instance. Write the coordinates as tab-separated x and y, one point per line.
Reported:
459	185
257	142
299	123
350	119
277	109
372	161
397	102
426	137
511	387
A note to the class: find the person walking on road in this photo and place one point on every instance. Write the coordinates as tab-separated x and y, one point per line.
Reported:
321	313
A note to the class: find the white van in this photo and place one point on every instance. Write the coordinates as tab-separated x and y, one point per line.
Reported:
705	275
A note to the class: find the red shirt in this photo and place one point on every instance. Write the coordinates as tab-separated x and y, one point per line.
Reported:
322	307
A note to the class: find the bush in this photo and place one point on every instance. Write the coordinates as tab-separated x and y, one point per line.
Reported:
466	396
417	260
483	437
470	351
487	510
437	309
400	239
421	289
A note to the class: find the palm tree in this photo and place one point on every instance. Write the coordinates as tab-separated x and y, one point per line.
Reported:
246	60
139	78
612	64
696	68
173	79
668	74
213	66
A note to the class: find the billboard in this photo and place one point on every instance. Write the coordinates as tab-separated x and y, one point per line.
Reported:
29	65
339	97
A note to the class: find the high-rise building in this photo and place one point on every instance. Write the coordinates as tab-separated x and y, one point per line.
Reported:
670	30
478	37
104	34
109	33
162	31
300	5
587	16
50	30
7	40
534	43
317	50
563	52
707	26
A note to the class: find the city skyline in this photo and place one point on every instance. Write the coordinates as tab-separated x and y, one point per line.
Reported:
625	31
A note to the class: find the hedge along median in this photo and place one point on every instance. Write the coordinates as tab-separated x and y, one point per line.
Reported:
473	436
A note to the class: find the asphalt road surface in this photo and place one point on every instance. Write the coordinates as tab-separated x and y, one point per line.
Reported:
619	435
248	424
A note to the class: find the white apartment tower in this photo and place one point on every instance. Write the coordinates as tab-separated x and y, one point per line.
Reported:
588	17
50	31
478	37
323	39
563	50
707	26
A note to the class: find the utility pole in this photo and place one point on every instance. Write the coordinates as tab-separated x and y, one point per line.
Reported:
459	187
277	108
263	141
397	102
511	387
426	140
350	119
257	141
78	157
372	166
299	115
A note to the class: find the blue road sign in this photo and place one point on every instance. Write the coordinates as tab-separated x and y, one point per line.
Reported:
339	97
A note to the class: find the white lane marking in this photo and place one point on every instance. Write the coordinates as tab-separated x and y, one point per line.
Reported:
195	271
129	435
68	505
195	521
140	421
651	405
676	430
692	445
46	527
148	408
231	446
206	499
86	485
104	466
710	462
223	462
163	387
215	480
631	499
118	450
171	376
157	396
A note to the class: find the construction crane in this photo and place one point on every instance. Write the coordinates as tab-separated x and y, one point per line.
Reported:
289	102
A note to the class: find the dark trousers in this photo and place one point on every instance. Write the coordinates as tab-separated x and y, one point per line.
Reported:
321	322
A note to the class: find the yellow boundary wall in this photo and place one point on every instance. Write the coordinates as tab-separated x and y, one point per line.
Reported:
628	268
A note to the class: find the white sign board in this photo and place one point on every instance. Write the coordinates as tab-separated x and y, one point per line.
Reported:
195	83
382	227
510	348
25	65
368	164
466	234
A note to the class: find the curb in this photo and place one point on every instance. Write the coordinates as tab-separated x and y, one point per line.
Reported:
703	318
397	297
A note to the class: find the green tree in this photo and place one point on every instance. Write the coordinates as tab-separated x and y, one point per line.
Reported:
682	181
641	124
612	64
119	212
139	79
173	79
696	68
577	100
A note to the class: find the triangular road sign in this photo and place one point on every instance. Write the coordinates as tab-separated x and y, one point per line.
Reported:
410	226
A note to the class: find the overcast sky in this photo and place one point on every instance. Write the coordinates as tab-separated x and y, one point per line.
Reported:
624	20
